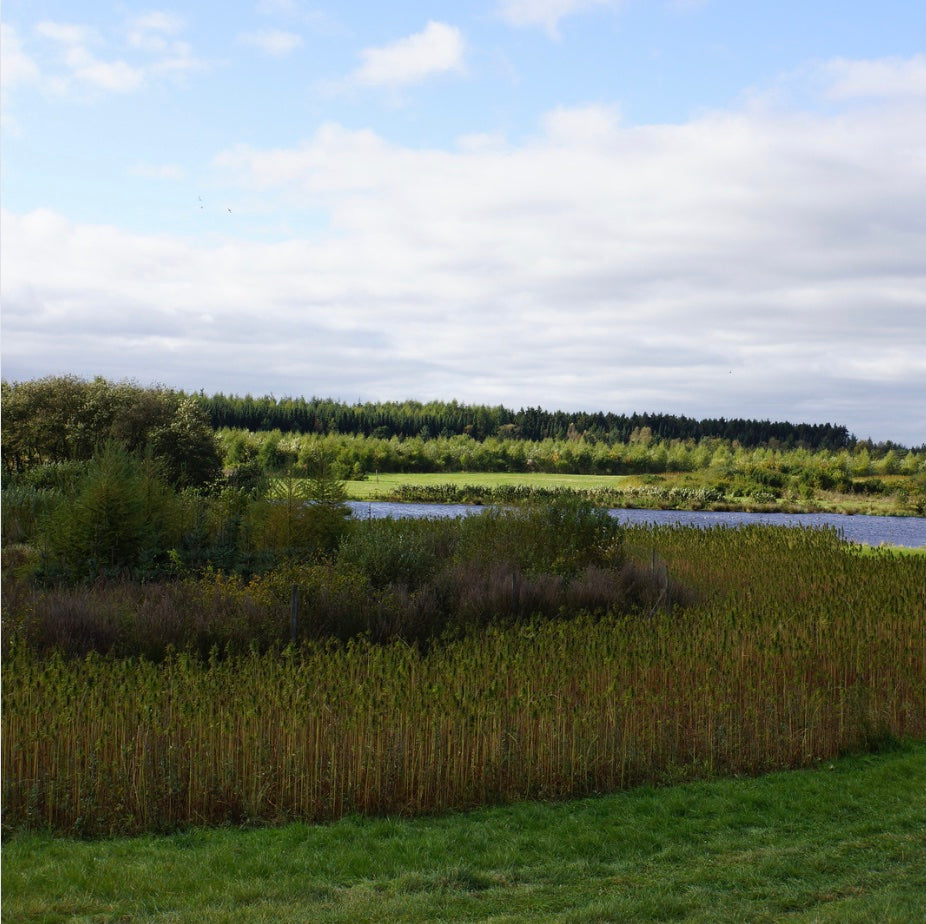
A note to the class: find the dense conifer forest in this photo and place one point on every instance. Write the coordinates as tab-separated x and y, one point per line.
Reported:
60	418
450	418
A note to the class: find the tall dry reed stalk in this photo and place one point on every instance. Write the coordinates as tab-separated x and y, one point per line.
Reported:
802	650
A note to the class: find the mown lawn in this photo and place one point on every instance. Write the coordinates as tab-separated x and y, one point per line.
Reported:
840	843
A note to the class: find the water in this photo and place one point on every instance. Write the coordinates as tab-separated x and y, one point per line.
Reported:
868	530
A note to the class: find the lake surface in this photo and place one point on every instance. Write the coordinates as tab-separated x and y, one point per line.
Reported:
905	531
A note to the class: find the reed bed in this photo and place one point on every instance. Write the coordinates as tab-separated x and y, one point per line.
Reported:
798	651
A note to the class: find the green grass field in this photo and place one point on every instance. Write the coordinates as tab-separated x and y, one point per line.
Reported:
845	842
385	484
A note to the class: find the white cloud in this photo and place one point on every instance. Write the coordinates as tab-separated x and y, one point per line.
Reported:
16	67
83	66
17	70
84	61
179	62
582	125
437	49
319	21
595	265
546	13
114	76
157	34
284	7
275	42
67	33
151	31
881	78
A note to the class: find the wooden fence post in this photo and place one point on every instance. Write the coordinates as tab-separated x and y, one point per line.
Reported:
294	613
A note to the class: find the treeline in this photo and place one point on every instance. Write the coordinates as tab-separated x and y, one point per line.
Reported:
66	419
437	418
357	457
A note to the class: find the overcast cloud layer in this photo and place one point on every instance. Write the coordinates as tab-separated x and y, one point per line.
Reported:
763	259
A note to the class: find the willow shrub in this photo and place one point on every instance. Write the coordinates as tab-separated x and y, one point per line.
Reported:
121	518
414	580
562	536
409	579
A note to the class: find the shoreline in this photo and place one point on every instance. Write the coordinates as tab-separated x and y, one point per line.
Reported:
477	495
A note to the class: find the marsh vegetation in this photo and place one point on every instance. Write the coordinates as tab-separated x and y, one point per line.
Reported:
182	648
787	650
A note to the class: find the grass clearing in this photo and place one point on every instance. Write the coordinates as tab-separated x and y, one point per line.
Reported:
843	842
702	489
386	484
875	550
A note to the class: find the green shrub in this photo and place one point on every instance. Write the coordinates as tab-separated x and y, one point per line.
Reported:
121	519
562	537
400	552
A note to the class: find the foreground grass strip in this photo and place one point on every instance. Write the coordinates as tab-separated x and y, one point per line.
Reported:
843	842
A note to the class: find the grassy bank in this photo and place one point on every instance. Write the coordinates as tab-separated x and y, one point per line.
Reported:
843	842
386	485
681	490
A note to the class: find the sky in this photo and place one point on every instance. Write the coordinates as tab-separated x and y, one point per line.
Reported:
698	207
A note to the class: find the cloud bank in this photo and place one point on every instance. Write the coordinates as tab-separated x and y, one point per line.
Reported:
755	262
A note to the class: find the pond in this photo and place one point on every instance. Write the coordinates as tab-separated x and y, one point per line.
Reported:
868	530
